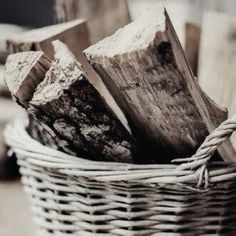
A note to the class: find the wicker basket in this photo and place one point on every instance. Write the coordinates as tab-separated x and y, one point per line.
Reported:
73	196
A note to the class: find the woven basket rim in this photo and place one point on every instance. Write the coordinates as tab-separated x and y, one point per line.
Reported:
56	161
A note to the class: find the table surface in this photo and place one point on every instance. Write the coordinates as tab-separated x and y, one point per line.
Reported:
15	215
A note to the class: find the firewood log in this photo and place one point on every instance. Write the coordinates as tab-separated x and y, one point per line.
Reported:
22	77
76	36
71	107
217	60
145	69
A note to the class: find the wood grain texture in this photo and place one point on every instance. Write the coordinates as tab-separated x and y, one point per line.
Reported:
217	60
75	35
145	69
73	112
192	43
23	73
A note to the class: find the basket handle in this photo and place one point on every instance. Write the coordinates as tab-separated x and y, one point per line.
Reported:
204	153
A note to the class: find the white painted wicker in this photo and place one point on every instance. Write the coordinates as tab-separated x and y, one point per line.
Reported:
73	196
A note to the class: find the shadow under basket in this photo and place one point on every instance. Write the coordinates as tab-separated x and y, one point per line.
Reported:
73	196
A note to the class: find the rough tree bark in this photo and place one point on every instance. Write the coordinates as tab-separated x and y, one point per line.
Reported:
144	68
69	105
75	35
23	73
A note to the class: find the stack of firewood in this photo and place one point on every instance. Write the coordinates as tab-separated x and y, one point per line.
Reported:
136	100
17	16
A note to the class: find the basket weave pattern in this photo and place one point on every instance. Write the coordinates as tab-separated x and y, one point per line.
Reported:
73	196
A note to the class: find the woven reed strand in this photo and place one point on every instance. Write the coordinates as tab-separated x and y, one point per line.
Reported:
73	196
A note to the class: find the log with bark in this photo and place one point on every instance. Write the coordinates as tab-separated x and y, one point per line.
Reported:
145	69
23	73
217	73
65	102
76	36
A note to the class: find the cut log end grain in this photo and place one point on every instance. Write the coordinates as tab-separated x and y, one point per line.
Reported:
23	73
145	69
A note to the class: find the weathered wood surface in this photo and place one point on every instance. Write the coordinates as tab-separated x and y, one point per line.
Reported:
75	35
181	11
217	65
192	43
104	16
71	107
144	68
23	73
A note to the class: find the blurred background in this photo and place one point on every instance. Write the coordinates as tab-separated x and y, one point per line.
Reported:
206	30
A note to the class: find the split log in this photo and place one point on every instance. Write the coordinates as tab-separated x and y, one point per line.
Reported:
23	73
181	11
23	76
192	43
144	68
217	60
69	105
75	35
